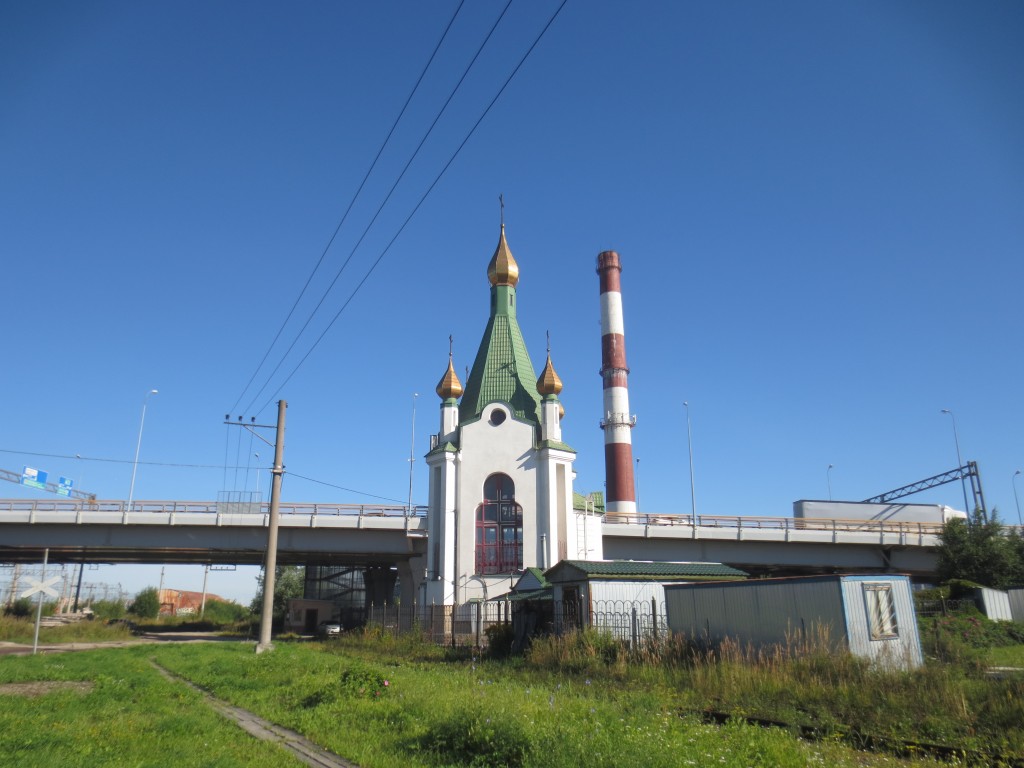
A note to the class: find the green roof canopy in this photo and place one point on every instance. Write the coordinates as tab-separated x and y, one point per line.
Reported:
630	570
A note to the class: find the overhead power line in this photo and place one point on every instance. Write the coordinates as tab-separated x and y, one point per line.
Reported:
384	202
76	457
343	488
344	216
422	199
191	466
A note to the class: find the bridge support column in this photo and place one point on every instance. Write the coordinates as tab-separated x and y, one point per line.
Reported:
409	591
380	585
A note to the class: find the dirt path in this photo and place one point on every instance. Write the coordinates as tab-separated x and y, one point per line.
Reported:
301	747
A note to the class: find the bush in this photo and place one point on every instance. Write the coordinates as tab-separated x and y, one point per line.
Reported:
219	612
108	609
583	651
20	608
480	740
146	604
962	639
359	680
961	589
499	640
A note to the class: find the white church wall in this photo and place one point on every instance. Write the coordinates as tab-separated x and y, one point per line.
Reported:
488	448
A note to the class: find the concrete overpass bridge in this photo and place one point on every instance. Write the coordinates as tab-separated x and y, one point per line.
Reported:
76	530
777	545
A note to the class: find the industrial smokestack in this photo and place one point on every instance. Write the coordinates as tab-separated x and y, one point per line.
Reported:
617	423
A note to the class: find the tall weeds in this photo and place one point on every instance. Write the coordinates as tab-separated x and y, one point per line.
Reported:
807	681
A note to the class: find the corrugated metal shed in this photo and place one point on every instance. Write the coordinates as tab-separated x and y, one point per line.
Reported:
1016	598
871	616
994	603
623	597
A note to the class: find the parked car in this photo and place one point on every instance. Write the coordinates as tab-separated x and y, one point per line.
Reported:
328	629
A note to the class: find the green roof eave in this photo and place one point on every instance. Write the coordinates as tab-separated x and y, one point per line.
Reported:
443	448
557	445
614	570
592	501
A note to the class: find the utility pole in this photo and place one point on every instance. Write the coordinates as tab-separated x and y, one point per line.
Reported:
270	561
269	568
206	573
78	589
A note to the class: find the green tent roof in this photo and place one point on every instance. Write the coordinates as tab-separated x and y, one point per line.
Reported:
502	371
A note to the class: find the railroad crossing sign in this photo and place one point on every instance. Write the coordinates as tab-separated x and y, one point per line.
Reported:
41	586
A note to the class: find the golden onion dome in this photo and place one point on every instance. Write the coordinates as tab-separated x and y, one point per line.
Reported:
561	411
549	383
503	269
449	386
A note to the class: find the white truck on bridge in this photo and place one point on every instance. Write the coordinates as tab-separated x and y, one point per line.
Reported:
894	512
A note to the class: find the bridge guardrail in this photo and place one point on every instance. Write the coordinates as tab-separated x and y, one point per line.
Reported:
774	523
81	509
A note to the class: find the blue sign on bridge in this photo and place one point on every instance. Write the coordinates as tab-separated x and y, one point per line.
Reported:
34	478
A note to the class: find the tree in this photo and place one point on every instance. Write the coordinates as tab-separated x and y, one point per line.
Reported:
979	550
146	604
289	582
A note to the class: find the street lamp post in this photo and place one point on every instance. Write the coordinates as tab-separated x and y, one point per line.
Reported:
828	476
689	445
412	448
959	461
138	446
1016	498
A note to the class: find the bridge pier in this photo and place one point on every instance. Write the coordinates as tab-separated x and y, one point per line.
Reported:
380	585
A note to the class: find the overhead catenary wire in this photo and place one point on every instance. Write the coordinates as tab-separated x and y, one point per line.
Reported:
343	488
344	216
419	203
77	457
384	202
192	466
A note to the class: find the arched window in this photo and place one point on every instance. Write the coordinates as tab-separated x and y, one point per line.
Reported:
499	528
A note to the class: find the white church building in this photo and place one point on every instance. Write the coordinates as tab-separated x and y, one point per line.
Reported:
501	497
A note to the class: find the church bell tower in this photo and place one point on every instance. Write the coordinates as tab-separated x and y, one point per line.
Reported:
500	476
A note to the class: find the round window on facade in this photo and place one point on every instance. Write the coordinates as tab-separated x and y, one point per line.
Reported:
497	417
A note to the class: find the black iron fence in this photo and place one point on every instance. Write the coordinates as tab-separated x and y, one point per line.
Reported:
634	623
944	607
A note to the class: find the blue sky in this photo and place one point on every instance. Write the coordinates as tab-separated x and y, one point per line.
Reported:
818	208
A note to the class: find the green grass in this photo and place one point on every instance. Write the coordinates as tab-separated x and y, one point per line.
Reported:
131	716
384	702
1007	656
438	711
21	630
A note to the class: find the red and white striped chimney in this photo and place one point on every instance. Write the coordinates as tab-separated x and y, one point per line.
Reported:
617	422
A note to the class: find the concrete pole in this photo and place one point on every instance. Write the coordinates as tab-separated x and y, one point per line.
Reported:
78	588
202	608
39	603
270	566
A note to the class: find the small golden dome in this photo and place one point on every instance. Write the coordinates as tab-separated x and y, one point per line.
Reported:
549	383
449	386
503	269
561	411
